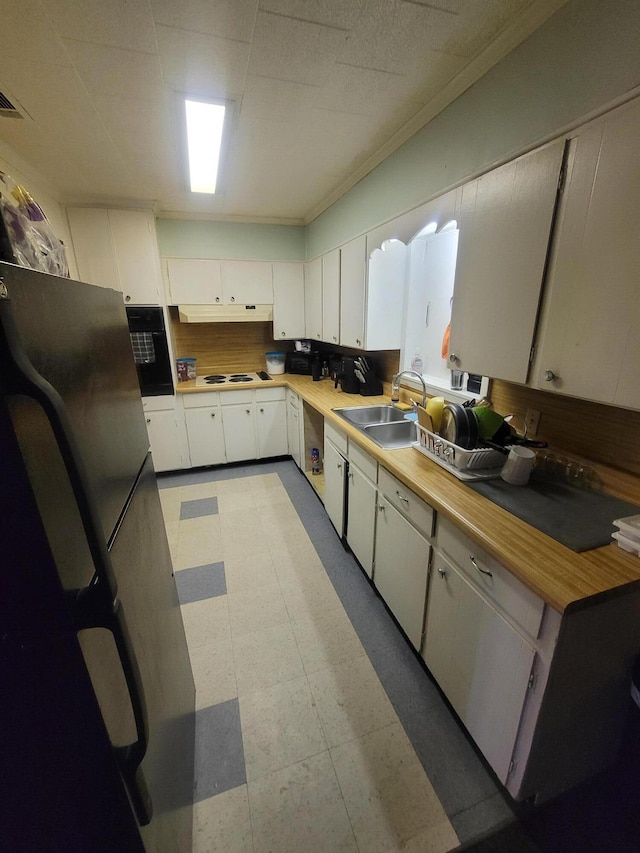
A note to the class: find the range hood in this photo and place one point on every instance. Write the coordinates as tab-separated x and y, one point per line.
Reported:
225	313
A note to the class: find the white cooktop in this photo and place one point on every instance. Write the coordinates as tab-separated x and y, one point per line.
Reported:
214	379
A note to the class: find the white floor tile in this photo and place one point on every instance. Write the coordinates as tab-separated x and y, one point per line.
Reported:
199	490
206	621
326	638
267	657
222	824
300	810
391	803
350	700
247	570
280	726
256	608
214	672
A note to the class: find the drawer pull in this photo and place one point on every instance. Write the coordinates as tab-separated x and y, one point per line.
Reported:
476	566
442	573
402	498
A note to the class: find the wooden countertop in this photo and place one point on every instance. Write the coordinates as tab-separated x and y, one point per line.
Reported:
561	577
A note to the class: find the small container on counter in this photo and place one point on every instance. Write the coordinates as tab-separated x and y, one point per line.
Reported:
186	368
275	362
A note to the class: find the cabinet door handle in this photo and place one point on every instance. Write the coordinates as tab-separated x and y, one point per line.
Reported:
350	475
442	573
549	376
334	338
453	358
248	411
213	414
148	420
402	498
127	298
262	411
426	314
339	466
217	299
476	566
233	299
381	507
284	334
358	341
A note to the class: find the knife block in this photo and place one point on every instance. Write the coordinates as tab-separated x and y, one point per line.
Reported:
372	387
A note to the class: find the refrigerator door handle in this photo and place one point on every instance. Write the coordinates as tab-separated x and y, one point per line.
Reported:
96	605
87	610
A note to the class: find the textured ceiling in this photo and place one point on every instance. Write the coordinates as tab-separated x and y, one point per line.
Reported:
321	91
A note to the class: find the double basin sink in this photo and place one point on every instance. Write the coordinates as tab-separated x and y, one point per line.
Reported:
385	425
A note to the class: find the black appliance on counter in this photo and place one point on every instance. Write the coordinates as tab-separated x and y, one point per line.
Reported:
301	362
346	377
150	350
97	714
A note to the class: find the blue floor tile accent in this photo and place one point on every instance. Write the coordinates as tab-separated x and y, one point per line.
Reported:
201	582
219	754
198	508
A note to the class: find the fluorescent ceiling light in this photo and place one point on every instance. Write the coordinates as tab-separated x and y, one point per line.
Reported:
204	136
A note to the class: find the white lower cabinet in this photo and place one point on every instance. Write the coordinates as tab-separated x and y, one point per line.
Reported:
401	569
203	418
480	661
233	426
335	468
404	525
271	417
165	433
362	496
295	439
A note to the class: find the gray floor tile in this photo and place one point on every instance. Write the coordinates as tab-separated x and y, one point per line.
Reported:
481	818
185	478
198	508
201	582
219	757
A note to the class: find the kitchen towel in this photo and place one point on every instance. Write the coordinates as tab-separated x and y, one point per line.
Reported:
581	519
143	349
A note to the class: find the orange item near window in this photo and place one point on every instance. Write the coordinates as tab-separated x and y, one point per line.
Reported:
445	342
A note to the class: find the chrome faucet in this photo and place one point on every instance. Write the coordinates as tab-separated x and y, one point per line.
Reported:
395	385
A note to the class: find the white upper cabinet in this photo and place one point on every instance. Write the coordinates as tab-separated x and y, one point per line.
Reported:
353	275
194	281
313	299
118	249
589	345
247	282
430	278
385	295
331	297
208	281
505	223
288	301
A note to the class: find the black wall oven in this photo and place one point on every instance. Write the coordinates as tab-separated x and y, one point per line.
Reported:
150	349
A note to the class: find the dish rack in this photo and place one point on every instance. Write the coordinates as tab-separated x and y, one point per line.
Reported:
481	463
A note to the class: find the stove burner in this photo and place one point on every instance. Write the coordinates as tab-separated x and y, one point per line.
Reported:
240	379
215	381
215	377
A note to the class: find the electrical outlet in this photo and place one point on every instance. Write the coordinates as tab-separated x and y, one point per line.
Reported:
532	420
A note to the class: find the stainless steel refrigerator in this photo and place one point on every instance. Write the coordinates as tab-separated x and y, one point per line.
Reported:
96	690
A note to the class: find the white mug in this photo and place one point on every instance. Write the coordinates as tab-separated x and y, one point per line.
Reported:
517	468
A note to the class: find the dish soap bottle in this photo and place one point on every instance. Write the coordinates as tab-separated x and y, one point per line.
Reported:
416	362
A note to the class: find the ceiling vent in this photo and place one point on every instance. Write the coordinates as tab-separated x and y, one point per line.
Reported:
7	109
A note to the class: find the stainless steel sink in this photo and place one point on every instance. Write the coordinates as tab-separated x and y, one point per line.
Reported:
392	435
361	415
385	425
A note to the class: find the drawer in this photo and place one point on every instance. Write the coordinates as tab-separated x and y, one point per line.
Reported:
410	505
361	459
231	398
263	395
163	403
510	595
293	399
338	438
201	400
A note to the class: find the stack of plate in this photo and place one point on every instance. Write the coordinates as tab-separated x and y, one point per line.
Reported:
628	533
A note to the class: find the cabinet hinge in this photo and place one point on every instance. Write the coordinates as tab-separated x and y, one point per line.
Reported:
532	354
512	767
532	681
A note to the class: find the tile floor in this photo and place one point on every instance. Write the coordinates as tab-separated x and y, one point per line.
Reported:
317	729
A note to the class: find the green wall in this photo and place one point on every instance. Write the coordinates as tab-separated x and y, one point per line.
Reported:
586	55
189	238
